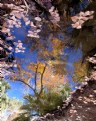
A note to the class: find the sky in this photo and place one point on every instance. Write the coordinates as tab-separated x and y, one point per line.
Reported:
17	88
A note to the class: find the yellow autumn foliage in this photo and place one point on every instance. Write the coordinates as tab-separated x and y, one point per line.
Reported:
80	71
51	80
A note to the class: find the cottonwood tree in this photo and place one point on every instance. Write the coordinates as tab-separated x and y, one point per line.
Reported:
38	76
44	83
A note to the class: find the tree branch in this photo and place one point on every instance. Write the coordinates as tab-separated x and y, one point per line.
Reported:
42	8
36	76
42	79
27	85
